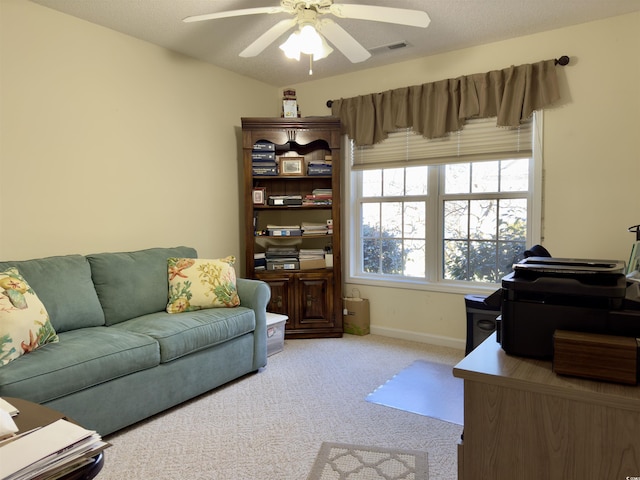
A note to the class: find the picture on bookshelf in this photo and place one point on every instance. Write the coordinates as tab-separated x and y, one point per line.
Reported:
291	165
259	196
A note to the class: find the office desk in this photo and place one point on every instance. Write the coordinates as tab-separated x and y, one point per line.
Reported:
522	421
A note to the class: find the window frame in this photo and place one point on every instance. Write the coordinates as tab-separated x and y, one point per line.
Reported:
434	236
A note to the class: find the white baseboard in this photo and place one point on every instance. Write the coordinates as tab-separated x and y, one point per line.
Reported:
419	337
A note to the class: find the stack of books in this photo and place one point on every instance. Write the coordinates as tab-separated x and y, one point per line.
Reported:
282	258
319	196
284	230
311	228
320	167
263	159
260	261
282	200
48	452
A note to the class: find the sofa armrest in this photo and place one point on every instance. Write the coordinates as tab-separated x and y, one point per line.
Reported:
255	294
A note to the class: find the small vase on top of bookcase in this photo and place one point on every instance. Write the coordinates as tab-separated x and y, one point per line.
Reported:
292	223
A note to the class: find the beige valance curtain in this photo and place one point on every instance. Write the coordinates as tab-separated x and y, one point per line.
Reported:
438	108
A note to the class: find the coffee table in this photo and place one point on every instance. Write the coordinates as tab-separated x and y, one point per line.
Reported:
33	415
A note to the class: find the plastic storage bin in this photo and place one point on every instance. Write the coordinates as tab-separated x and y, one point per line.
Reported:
275	332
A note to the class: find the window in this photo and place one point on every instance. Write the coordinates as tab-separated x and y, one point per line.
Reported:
484	212
423	215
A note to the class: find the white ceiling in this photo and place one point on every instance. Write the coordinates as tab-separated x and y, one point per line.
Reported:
454	24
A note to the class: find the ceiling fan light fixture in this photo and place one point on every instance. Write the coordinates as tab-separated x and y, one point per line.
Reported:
306	40
323	50
291	47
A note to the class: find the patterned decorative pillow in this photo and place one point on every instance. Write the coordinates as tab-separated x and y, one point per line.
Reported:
24	321
195	284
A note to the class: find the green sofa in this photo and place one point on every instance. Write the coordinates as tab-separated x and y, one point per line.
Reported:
121	357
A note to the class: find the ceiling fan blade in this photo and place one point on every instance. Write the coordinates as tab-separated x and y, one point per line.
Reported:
233	13
401	16
344	42
268	37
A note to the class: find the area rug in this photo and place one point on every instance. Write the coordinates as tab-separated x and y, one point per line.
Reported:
340	461
426	388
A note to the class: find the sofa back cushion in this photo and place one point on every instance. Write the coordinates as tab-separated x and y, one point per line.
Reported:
131	284
64	286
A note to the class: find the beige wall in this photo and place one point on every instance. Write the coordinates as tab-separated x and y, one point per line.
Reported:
591	160
110	143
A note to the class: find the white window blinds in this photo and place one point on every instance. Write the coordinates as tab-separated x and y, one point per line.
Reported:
480	139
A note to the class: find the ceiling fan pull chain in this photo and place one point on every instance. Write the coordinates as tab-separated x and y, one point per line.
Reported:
310	64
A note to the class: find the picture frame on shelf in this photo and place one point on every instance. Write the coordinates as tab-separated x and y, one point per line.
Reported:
259	196
291	166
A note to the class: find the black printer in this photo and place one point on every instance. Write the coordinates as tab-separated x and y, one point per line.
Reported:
543	294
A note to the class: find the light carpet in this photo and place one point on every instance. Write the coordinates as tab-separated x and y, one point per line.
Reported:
338	461
270	425
425	388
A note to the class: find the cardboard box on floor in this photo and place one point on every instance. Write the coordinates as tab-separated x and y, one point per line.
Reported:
355	318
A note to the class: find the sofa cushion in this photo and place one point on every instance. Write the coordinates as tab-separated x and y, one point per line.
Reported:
183	333
24	322
83	358
131	284
64	285
196	283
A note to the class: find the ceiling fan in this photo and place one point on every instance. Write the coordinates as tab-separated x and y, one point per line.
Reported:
310	13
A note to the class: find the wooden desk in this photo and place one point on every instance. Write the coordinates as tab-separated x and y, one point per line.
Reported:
522	421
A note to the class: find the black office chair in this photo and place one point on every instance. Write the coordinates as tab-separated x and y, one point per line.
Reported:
536	251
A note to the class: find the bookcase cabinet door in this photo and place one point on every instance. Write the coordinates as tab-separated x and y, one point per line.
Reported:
281	299
315	301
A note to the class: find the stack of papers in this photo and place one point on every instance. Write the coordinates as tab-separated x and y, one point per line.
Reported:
311	228
7	407
318	197
8	427
311	254
48	452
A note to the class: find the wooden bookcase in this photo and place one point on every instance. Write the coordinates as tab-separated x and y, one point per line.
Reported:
311	298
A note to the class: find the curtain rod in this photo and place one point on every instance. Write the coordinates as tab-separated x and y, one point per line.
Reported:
562	61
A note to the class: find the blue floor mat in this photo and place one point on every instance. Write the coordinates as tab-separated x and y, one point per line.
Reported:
425	388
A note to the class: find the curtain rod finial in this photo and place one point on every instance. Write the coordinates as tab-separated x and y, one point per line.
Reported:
329	103
563	60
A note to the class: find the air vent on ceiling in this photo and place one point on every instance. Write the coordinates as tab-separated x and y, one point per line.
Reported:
389	47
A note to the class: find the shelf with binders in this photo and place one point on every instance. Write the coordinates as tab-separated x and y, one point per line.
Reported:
304	224
302	194
306	206
290	177
293	163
